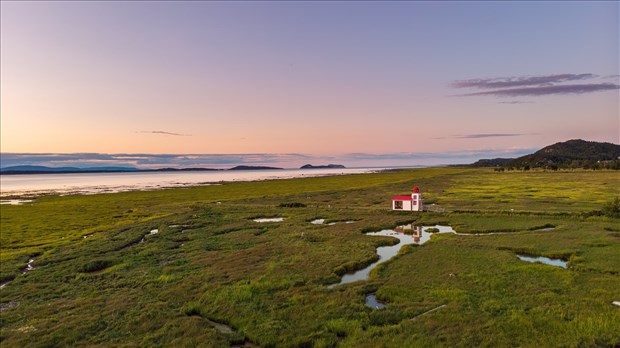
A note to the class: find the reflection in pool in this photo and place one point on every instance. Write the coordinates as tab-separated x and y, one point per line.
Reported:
545	260
275	219
372	302
322	221
406	234
16	201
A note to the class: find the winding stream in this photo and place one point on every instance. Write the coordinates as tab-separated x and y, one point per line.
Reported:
412	234
406	234
28	267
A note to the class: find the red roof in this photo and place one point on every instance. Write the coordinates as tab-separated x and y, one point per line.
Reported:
401	198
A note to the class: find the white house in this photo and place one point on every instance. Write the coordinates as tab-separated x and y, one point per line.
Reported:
409	203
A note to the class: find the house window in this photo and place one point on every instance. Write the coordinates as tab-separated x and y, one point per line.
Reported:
415	202
398	205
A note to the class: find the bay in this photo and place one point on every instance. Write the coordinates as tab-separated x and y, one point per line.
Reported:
91	183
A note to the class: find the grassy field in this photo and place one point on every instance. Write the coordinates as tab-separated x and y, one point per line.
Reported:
101	279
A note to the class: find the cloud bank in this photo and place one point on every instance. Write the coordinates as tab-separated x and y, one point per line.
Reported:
534	86
515	81
548	90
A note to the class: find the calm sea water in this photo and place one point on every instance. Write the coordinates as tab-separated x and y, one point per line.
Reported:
89	183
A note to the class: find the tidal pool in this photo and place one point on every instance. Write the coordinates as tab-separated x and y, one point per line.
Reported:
545	260
406	234
372	302
28	267
275	219
322	221
16	201
223	328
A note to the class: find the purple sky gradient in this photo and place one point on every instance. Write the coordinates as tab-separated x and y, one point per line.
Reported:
322	79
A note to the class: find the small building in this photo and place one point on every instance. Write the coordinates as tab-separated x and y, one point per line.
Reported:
411	202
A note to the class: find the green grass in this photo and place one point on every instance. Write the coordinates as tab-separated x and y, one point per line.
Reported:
268	280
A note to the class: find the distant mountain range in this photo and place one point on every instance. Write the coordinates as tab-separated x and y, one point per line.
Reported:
575	153
60	170
43	169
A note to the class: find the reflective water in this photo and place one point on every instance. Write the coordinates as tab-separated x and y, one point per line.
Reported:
276	219
406	234
16	201
89	183
545	260
322	221
28	267
223	328
372	302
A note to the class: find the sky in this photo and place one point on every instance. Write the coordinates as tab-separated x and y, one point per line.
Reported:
362	83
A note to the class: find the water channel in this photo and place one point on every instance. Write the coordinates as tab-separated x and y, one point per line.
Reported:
411	234
275	219
406	234
545	260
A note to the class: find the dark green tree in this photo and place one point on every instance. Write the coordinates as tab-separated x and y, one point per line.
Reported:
612	209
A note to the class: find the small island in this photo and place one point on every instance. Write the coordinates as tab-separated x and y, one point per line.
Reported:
329	166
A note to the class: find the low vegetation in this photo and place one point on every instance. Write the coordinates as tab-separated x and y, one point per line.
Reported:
212	276
612	209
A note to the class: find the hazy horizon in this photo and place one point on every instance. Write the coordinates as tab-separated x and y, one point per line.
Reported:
285	160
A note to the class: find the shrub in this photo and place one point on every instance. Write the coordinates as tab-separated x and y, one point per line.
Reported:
193	308
7	277
612	209
386	317
352	266
343	327
95	266
292	205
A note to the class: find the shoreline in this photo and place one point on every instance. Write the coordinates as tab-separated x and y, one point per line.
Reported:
8	194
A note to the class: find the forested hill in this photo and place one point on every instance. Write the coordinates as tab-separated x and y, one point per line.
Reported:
569	154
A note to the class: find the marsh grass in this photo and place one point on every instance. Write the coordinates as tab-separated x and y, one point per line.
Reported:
268	281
